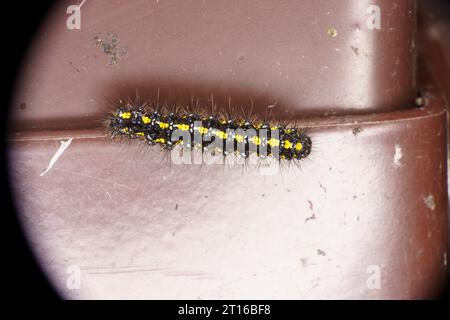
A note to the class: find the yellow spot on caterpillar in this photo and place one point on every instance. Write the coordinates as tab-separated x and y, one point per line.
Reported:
160	140
274	128
146	119
163	125
125	115
239	138
203	130
125	130
183	127
222	135
298	146
273	142
256	140
140	134
287	144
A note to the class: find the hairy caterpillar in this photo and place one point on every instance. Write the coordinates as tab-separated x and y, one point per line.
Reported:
195	128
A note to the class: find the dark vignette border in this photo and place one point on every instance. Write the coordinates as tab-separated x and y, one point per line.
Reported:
23	277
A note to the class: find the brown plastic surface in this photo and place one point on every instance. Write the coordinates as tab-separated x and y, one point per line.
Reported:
435	49
271	51
372	198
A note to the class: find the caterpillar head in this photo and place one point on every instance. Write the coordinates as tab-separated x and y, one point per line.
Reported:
303	146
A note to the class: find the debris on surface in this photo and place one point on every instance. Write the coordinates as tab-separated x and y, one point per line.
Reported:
398	155
64	145
429	202
332	32
110	45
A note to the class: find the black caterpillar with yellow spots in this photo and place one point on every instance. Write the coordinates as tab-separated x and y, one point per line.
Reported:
239	136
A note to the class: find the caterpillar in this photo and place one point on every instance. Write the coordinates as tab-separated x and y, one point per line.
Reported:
222	133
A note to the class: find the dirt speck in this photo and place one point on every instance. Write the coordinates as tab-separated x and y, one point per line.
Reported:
420	101
110	45
312	217
355	50
398	155
332	32
23	106
322	187
429	202
357	131
321	252
304	261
